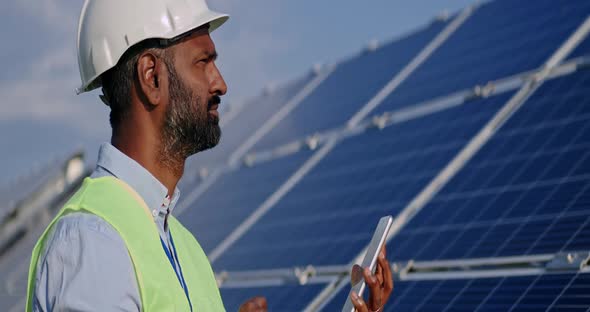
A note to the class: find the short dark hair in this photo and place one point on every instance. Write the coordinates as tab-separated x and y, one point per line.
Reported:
118	81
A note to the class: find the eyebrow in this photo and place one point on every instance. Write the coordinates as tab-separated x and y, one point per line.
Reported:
211	54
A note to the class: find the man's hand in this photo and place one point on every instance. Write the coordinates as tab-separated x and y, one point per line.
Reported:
380	285
256	304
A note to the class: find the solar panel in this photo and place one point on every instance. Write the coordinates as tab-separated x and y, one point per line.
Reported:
234	196
527	191
329	216
352	84
502	38
22	188
547	292
583	49
14	268
284	298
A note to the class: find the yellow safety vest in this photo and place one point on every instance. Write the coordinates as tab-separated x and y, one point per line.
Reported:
159	288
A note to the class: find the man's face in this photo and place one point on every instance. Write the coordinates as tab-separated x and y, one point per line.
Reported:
191	123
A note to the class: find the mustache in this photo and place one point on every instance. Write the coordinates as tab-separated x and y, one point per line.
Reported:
214	100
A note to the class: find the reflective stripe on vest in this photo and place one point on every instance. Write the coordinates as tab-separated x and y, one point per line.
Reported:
159	289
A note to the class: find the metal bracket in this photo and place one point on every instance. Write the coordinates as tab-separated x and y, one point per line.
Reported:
249	160
304	274
569	261
312	141
221	277
380	121
481	92
401	270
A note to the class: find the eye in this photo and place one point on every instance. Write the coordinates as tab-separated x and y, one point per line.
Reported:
202	61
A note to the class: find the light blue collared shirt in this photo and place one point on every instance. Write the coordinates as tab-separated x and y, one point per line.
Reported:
85	265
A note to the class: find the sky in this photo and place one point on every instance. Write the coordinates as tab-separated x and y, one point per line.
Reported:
265	43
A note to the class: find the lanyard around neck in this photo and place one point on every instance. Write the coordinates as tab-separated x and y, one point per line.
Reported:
178	271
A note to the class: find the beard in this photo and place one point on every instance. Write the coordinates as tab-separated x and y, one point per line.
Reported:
188	126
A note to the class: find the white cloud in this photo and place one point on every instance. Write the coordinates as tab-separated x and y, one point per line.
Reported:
248	43
49	99
45	91
58	14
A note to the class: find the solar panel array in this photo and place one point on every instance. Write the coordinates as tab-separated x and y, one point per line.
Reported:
14	267
351	84
13	192
234	197
328	217
523	193
20	234
500	39
523	189
547	292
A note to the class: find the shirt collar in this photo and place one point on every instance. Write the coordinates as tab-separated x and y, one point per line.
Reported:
153	192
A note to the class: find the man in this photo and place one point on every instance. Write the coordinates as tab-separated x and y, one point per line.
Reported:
115	245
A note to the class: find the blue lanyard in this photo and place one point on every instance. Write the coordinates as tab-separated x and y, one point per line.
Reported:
178	272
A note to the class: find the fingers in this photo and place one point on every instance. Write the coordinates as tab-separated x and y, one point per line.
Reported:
381	265
261	302
356	275
256	304
379	272
386	274
376	296
380	284
358	302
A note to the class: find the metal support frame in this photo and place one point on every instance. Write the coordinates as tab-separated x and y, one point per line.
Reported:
270	202
239	153
531	84
561	262
313	142
528	83
410	67
425	108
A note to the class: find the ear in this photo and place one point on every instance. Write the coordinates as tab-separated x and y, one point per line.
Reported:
150	73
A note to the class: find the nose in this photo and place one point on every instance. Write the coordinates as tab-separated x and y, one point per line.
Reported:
217	84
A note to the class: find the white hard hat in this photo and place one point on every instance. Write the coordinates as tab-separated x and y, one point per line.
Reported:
107	28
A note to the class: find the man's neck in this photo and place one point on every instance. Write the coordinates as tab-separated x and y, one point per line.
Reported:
144	151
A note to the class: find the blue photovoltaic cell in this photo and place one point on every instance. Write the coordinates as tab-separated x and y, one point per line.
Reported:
234	196
14	269
250	117
285	298
501	38
583	49
352	84
22	188
549	292
14	265
329	216
527	191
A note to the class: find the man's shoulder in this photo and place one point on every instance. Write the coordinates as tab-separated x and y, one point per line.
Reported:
82	225
81	239
84	250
